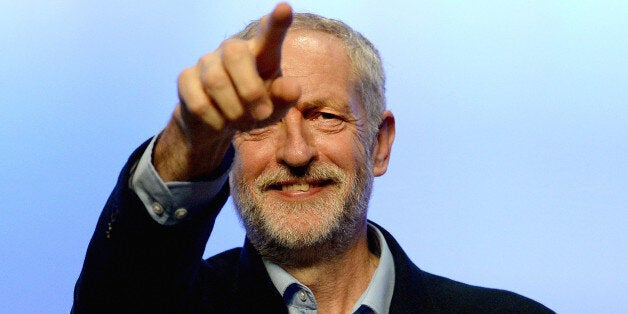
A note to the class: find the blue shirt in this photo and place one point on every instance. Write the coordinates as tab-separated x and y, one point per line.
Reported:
169	203
375	299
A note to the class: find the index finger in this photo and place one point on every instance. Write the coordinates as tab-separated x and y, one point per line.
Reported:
269	38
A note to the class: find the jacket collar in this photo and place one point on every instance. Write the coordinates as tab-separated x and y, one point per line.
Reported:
254	285
410	292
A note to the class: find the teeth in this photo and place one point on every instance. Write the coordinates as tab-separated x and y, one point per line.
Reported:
296	187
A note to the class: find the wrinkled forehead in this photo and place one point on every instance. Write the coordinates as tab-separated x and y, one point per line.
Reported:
321	63
343	34
329	47
317	42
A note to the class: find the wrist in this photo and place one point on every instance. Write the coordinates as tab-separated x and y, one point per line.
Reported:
179	157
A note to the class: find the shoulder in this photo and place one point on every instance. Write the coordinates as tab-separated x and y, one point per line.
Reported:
221	266
235	281
417	289
449	294
212	287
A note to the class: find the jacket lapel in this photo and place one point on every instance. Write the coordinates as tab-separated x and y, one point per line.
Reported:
259	295
410	294
254	286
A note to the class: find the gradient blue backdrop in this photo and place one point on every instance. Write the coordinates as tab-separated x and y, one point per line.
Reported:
509	168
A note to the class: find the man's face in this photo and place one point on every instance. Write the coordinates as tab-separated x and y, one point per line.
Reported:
304	182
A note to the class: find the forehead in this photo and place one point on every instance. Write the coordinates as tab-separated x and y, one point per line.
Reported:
320	63
309	45
314	39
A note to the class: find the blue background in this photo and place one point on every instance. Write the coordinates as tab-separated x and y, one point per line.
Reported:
510	167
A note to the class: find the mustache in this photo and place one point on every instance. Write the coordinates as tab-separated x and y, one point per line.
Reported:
321	173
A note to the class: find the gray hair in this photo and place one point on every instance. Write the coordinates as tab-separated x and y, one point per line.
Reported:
365	61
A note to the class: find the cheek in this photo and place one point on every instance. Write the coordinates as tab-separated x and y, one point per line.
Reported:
251	158
345	152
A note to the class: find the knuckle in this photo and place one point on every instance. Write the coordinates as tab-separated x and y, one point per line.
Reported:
252	94
217	123
234	113
184	84
197	109
212	118
207	59
233	47
215	79
185	75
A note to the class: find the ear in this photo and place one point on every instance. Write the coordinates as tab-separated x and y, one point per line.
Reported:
383	143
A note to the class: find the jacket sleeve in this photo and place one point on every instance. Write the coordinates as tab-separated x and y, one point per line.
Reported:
135	265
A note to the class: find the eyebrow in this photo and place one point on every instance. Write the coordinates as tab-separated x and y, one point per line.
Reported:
342	107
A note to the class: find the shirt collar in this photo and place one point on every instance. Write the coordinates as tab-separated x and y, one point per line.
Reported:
376	297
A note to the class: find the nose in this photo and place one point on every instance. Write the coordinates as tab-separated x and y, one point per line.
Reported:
296	147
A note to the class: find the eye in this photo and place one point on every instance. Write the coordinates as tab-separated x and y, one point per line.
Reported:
327	116
327	121
256	134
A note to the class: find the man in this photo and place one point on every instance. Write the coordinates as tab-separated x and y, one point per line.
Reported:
289	118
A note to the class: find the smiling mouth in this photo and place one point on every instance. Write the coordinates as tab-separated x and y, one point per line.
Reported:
298	186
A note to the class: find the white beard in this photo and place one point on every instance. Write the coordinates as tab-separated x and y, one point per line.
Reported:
299	234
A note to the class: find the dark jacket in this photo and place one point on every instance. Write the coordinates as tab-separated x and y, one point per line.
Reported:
134	265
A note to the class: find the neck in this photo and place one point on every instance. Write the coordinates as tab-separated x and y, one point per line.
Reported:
338	283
